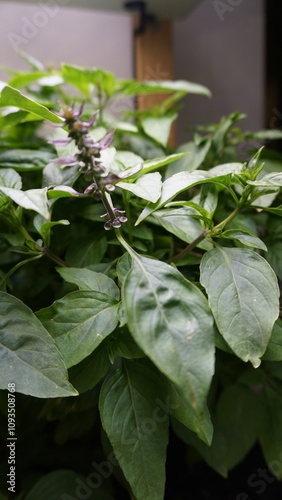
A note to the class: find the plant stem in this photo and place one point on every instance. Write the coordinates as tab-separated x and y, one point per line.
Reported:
54	257
208	232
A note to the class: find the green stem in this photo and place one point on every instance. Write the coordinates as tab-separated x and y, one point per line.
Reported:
17	266
54	257
125	198
107	201
124	244
209	232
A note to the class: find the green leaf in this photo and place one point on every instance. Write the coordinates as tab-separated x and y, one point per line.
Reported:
148	187
170	320
33	199
244	298
13	97
44	228
220	137
9	178
132	87
181	182
25	79
245	238
183	224
238	418
271	432
33	63
29	357
63	192
214	454
150	165
24	160
272	210
270	180
86	374
64	485
86	251
89	280
273	256
79	322
132	415
82	78
274	347
195	158
184	412
158	128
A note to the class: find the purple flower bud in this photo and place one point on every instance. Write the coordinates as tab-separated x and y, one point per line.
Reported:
90	188
105	142
123	219
76	114
108	225
109	188
116	224
91	120
119	211
104	215
68	160
60	142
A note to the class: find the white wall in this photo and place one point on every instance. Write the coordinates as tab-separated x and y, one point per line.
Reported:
227	55
58	34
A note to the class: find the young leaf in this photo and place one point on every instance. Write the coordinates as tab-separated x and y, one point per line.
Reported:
89	280
170	320
148	187
244	297
28	354
44	228
79	322
132	415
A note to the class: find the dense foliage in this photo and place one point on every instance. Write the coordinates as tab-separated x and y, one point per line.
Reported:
138	285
